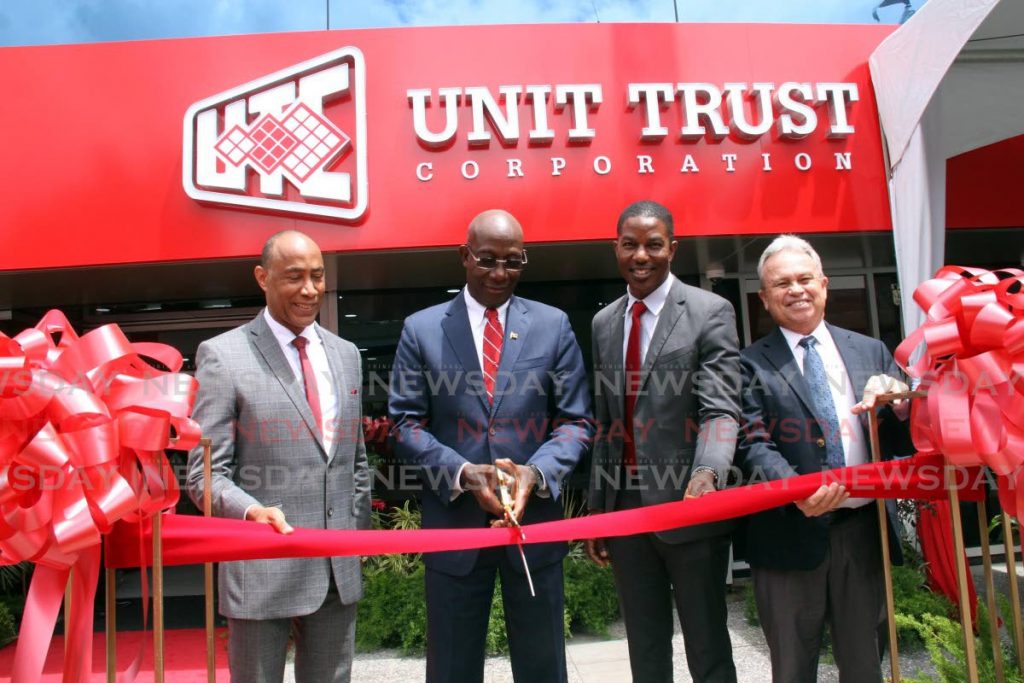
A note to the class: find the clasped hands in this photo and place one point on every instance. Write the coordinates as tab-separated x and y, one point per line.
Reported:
482	482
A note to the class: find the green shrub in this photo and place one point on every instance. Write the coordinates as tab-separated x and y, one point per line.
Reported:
393	612
8	630
914	600
591	603
497	639
750	605
943	638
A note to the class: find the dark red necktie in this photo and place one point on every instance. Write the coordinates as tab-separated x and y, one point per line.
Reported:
632	385
493	339
309	380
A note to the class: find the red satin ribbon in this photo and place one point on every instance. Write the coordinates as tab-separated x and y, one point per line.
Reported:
192	540
972	366
84	422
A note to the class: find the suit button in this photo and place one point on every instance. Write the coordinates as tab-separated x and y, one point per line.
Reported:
492	431
820	443
330	512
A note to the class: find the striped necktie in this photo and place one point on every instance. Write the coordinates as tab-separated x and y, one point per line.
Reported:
493	339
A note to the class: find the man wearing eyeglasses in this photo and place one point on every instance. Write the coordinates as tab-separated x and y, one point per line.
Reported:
487	382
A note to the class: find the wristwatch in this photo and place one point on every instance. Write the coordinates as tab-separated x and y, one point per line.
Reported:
539	477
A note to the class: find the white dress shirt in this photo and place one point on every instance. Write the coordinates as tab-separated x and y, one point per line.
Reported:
477	324
844	396
655	301
317	355
478	321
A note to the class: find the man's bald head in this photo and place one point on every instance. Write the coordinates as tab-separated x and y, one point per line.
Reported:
292	237
494	223
494	234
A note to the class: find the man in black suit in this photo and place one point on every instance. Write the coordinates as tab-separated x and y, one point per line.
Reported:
807	387
666	367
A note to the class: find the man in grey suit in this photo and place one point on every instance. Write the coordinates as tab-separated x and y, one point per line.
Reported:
486	382
666	373
817	560
280	399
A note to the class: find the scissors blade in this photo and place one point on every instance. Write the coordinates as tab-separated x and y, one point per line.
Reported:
526	569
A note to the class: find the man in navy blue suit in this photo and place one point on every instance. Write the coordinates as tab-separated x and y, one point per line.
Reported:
807	388
487	382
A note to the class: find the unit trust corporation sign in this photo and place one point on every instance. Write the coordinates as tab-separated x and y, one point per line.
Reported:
393	138
522	116
303	128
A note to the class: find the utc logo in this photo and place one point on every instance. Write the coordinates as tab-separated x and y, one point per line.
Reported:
242	145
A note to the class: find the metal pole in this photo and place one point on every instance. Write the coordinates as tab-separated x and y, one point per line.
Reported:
966	623
158	601
1011	570
675	7
990	592
883	532
111	625
211	654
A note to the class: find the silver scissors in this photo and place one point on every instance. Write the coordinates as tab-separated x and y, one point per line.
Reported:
505	481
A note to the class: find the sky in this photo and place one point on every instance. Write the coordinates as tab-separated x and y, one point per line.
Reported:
43	22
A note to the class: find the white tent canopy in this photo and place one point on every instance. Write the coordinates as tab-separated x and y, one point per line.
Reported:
949	80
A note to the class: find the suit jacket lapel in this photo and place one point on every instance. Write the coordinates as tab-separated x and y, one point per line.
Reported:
266	344
778	353
517	321
613	361
334	361
456	329
675	304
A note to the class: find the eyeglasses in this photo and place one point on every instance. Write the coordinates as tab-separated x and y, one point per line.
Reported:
490	263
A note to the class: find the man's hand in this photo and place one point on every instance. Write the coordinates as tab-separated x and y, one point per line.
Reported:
825	499
272	516
481	481
523	482
597	551
879	384
700	483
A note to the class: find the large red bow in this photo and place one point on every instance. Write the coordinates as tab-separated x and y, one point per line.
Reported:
84	422
972	367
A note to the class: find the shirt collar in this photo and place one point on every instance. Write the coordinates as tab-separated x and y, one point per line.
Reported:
476	310
793	338
654	301
285	336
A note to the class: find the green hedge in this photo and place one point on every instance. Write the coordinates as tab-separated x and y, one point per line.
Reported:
393	611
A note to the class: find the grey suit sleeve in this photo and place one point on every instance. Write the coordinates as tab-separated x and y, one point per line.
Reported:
409	408
599	456
570	413
361	478
217	414
717	386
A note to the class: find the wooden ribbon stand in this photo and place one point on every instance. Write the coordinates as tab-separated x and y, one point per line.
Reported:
158	597
966	623
211	652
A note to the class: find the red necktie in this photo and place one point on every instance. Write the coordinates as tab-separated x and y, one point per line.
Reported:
632	385
493	340
309	380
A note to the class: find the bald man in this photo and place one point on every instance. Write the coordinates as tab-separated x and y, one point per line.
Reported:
280	399
487	382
